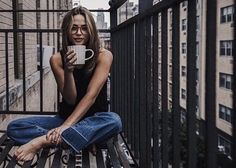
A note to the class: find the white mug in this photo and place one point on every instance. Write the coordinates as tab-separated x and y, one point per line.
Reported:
80	51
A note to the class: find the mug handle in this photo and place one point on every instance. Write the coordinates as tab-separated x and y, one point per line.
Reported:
90	56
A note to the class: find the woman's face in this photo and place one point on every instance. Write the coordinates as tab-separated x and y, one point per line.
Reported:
79	30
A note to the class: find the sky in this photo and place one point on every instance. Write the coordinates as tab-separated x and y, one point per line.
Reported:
95	4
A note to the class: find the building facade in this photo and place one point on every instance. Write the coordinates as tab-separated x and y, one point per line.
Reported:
17	48
224	66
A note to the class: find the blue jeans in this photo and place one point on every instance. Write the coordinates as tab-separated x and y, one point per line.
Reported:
92	129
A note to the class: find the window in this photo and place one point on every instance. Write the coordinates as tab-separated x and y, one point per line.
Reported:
226	14
183	94
226	48
225	113
184	24
226	81
183	70
224	143
184	48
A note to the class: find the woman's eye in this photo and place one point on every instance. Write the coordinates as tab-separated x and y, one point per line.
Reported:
84	28
74	28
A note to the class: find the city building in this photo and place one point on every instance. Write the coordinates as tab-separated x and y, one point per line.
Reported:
102	24
224	69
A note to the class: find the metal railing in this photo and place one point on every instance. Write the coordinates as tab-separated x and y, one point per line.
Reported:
15	31
153	130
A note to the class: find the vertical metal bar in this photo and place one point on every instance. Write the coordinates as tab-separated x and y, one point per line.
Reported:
15	35
128	83
142	104
164	88
58	49
132	75
176	85
7	71
41	71
113	95
137	89
24	77
122	78
156	149
148	95
234	93
191	84
112	83
211	135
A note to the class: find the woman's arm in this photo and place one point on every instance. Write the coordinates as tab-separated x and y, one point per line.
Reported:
98	79
64	79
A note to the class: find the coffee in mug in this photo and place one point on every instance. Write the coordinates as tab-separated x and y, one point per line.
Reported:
80	51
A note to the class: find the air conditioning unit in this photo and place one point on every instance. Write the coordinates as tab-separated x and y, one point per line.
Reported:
47	52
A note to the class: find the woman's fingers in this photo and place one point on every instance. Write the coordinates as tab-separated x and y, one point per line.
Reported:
49	134
70	57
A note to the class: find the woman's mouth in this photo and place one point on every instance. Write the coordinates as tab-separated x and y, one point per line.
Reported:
79	40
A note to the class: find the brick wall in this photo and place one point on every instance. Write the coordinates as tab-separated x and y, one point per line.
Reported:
27	20
6	23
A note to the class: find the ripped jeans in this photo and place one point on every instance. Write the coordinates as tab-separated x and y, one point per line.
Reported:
92	129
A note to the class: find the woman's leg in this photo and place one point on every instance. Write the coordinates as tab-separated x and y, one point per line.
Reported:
93	129
25	129
32	133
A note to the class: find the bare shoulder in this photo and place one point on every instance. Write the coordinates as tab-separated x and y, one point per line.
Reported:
105	56
55	60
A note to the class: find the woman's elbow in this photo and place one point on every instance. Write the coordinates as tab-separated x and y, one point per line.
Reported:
71	100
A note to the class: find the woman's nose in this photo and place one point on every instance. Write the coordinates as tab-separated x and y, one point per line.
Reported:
79	31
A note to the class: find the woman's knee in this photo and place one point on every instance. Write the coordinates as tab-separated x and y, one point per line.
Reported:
15	128
12	128
116	121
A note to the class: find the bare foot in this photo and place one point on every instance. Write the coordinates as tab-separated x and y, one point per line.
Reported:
27	151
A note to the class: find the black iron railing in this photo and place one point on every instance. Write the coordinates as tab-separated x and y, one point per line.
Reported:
15	31
153	129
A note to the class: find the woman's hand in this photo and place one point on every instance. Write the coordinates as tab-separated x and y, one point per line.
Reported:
70	59
54	135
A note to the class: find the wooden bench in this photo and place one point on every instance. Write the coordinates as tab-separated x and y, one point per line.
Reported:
113	156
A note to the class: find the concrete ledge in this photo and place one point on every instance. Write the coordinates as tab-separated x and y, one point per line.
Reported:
16	91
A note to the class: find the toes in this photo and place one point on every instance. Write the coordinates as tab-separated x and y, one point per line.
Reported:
20	156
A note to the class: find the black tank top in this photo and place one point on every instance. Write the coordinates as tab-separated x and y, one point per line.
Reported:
82	80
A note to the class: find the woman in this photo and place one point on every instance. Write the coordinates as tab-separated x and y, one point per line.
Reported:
83	118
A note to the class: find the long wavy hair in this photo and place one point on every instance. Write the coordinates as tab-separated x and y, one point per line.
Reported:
93	41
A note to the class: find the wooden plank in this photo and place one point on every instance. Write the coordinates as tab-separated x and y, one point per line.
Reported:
57	159
3	138
27	164
43	158
5	151
85	159
12	162
71	161
99	159
113	154
122	156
